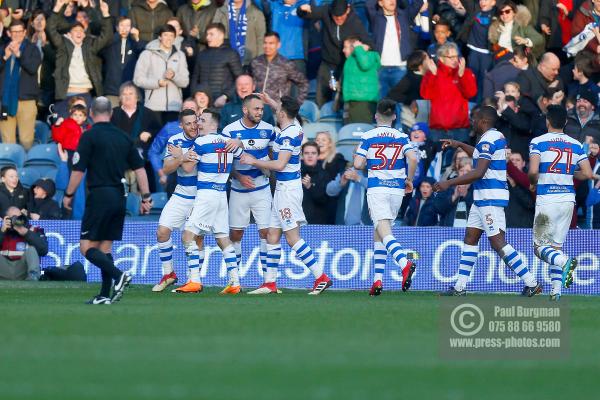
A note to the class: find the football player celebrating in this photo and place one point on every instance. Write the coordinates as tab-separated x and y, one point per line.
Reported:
250	189
388	155
490	197
214	160
179	206
554	158
287	215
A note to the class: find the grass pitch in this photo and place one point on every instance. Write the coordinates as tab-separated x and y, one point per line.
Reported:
340	345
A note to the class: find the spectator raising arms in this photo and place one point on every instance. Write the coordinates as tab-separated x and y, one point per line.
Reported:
19	86
449	85
162	71
78	66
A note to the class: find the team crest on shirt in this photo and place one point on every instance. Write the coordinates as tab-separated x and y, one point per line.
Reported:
263	134
286	142
485	147
76	157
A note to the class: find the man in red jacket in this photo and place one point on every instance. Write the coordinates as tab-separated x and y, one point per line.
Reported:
449	85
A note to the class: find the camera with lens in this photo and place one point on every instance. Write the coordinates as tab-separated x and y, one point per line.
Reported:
19	220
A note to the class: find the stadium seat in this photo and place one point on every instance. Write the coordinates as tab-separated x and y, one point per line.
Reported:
42	132
58	196
133	204
346	149
12	154
309	111
45	171
43	154
311	130
159	200
327	113
28	176
353	132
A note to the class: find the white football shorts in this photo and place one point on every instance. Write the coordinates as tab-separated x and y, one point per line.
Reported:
490	219
383	206
241	204
552	222
210	214
176	212
287	212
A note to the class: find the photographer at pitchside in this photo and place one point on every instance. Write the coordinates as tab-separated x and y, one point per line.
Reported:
21	247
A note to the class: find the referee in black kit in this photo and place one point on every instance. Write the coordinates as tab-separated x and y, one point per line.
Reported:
106	152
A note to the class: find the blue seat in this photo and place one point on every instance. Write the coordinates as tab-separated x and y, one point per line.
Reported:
43	154
311	130
58	196
28	175
309	111
42	132
327	113
159	200
133	204
45	171
353	132
346	149
12	154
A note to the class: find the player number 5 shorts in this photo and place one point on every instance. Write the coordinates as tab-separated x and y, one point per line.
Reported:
490	219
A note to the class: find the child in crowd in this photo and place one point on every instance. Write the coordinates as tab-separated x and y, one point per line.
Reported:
68	132
41	204
441	34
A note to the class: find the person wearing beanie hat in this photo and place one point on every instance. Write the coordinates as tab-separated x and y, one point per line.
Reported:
583	120
339	23
41	204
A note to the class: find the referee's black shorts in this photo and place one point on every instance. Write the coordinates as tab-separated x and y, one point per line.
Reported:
104	214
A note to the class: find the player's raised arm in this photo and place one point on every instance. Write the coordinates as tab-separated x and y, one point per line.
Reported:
456	144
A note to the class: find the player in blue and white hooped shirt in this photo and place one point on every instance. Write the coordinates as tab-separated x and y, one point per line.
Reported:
391	163
179	206
287	215
554	159
214	159
490	197
250	188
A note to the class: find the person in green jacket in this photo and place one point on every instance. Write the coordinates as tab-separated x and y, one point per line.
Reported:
360	82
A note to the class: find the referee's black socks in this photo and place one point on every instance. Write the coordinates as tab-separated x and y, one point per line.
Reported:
105	263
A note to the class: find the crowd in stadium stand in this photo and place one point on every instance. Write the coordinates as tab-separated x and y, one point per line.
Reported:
438	59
